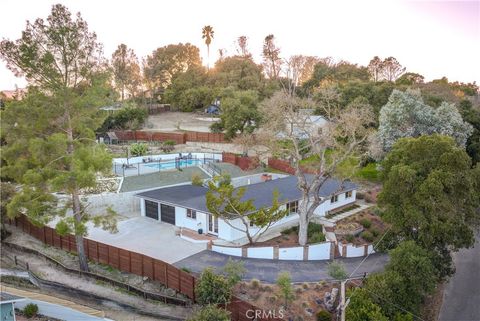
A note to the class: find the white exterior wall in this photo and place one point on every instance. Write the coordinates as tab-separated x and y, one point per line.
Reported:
290	253
182	220
260	252
328	205
235	251
319	251
353	251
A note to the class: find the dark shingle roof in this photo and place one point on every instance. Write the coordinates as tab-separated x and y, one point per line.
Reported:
191	196
7	297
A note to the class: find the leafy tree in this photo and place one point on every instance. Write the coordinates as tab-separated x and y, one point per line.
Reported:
405	115
239	113
207	34
430	195
228	203
375	68
50	134
211	313
272	62
238	72
337	270
410	78
472	116
362	308
212	288
167	62
130	117
126	70
7	191
391	69
284	282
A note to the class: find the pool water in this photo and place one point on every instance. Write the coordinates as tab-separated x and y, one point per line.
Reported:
170	165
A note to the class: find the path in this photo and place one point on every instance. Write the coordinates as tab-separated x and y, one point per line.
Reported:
55	307
267	270
461	299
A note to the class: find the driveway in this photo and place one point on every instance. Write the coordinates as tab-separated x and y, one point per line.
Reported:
461	298
267	270
149	237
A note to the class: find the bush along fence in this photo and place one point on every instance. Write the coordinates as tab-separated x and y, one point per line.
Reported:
178	138
136	263
311	252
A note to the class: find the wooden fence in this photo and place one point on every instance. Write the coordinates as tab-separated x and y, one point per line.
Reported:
285	166
136	263
244	162
178	138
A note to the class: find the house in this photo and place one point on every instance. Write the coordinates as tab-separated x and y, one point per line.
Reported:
185	205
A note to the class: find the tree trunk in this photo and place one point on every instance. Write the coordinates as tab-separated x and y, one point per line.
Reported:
303	222
77	213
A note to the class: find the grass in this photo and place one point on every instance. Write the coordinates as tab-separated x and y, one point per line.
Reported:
369	173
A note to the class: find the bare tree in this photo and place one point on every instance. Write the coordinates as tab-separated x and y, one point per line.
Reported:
375	68
392	69
300	68
242	44
343	136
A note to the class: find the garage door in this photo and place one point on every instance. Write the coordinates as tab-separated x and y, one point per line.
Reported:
168	213
151	209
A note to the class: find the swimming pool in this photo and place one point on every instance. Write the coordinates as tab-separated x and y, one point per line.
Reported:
173	164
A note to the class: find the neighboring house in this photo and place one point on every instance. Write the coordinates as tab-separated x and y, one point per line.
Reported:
185	205
305	124
7	306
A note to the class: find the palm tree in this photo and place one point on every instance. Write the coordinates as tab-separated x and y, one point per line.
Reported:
207	34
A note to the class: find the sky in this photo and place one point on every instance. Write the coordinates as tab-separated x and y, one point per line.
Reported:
433	38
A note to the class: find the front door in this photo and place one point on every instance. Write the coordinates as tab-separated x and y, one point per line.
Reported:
212	224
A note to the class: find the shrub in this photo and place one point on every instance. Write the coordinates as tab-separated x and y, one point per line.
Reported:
284	282
185	269
367	236
323	316
138	149
366	223
254	283
375	232
316	238
211	313
337	270
30	310
314	228
234	270
130	117
360	195
350	238
197	180
168	146
305	285
272	298
212	288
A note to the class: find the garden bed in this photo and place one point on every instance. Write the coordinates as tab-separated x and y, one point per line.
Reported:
308	298
289	237
372	224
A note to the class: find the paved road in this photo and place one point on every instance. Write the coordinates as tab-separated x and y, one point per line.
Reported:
267	270
461	299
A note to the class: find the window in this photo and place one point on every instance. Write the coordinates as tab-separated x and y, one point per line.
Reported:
251	224
292	207
334	199
348	194
191	213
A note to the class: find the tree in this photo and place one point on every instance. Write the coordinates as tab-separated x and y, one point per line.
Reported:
300	68
126	70
7	191
271	57
212	288
166	63
211	313
405	115
362	308
410	78
207	34
226	202
130	117
340	138
50	134
242	44
375	68
239	113
238	72
234	271
284	283
392	69
431	195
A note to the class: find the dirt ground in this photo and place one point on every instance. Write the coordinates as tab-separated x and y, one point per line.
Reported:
178	121
50	272
309	298
377	224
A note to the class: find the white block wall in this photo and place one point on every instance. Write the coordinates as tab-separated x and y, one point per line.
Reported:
290	253
353	251
260	252
235	251
319	251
